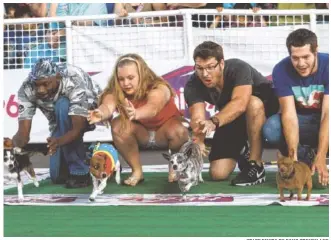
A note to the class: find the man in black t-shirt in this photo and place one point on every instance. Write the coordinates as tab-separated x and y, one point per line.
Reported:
243	99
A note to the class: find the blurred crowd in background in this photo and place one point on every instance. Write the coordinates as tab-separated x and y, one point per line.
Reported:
25	43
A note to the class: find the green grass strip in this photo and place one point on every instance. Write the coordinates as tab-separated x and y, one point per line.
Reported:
162	221
158	183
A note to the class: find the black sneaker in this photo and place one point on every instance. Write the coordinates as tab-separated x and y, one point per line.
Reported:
252	175
244	157
78	181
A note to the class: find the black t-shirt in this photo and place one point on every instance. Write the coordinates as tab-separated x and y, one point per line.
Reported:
236	73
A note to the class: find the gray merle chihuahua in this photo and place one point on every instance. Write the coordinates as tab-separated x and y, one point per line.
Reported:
187	164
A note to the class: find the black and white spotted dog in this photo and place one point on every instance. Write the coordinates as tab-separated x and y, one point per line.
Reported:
15	162
187	164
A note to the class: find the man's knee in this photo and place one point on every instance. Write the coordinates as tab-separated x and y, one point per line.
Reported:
255	106
272	129
221	169
219	174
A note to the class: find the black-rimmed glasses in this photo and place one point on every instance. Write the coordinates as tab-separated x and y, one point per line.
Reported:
209	69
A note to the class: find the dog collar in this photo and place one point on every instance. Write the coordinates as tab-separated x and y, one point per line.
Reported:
288	177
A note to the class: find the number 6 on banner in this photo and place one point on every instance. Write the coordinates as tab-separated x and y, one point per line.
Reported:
12	107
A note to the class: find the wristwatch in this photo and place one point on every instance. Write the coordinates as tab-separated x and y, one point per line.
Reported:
216	121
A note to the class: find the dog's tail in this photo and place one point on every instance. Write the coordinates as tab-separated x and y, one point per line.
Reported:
29	149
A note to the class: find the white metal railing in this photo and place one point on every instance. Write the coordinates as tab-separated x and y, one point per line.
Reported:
173	12
165	39
162	35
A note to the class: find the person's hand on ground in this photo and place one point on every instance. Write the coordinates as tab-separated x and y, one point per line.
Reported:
319	165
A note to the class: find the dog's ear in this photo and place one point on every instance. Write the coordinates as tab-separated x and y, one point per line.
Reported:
16	163
166	156
279	155
188	153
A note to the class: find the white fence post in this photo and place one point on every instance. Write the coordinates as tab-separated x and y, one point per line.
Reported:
189	35
312	19
68	24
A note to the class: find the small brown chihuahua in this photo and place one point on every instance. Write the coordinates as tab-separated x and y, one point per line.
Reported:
293	175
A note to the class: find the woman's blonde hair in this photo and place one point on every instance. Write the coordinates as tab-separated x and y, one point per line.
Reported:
148	80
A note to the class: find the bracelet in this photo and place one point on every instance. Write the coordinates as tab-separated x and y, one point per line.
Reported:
215	121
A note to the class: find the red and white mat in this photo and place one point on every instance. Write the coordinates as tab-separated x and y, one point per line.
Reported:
164	200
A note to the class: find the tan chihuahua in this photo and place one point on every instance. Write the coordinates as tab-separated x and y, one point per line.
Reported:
293	175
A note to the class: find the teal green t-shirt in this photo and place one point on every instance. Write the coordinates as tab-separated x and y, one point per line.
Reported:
81	9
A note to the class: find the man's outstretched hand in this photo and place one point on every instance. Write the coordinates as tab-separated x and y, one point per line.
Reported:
206	126
204	150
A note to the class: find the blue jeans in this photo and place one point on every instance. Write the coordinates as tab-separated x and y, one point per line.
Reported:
309	125
74	153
